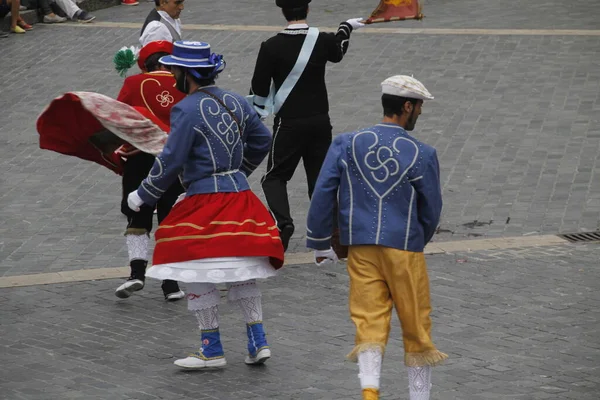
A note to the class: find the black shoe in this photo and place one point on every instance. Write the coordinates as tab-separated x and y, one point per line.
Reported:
171	290
136	279
3	34
84	16
286	234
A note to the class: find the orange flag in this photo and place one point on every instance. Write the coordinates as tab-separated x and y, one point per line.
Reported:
395	10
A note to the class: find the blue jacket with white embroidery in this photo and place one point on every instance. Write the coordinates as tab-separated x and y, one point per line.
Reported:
207	147
387	184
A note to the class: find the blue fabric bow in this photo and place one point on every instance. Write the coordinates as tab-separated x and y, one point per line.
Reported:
218	65
215	58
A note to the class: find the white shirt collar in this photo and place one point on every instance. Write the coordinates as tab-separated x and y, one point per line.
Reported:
297	26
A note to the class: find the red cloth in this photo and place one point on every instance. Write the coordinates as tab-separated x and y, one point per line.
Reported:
69	124
148	114
66	126
395	10
218	225
153	90
127	149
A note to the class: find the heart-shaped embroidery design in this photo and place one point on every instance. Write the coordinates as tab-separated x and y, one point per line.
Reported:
378	167
164	98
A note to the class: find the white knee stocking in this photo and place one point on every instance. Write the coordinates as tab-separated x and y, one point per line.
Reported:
419	382
137	247
369	367
248	296
203	301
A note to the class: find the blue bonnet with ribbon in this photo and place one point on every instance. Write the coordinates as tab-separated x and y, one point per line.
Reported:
197	57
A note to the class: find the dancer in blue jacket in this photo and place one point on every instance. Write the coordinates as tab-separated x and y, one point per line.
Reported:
388	187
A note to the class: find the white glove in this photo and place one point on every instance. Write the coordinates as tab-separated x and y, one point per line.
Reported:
134	201
329	255
355	23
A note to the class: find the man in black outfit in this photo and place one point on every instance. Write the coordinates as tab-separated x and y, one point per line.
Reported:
302	130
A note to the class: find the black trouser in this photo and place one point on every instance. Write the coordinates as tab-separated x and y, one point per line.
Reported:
44	5
135	170
305	139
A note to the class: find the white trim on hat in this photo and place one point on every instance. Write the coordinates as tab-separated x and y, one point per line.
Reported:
186	64
197	45
190	60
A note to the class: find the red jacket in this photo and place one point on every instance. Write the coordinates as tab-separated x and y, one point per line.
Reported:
153	90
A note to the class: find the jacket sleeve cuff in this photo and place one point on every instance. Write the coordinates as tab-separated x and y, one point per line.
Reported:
345	28
318	243
148	198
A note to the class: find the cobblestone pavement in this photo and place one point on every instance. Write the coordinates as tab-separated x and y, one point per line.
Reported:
515	122
536	14
516	125
522	326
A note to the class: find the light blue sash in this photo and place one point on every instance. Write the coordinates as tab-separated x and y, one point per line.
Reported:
274	101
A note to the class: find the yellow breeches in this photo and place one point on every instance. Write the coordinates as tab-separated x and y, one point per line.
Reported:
381	278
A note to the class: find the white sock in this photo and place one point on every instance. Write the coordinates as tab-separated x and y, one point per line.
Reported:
137	246
419	382
247	295
203	301
369	367
208	318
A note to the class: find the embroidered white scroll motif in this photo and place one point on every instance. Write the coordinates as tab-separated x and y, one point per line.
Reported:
377	162
381	160
380	169
165	98
226	130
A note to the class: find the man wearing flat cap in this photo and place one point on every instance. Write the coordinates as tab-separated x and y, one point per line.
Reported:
289	81
388	185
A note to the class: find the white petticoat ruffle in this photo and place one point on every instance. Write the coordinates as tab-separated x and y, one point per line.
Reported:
214	270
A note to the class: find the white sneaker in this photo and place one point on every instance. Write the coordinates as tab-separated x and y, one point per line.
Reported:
198	363
260	358
130	286
175	296
53	19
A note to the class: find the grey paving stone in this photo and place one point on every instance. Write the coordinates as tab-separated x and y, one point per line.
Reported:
515	122
517	324
511	146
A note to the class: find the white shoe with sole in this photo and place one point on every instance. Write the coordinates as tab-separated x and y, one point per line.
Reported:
127	289
260	358
175	296
192	362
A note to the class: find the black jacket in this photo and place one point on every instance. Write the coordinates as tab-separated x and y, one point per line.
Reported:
277	57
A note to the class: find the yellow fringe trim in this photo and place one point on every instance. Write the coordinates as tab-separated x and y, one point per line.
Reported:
359	348
370	394
430	357
136	231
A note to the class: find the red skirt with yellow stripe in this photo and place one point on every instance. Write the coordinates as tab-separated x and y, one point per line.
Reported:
218	225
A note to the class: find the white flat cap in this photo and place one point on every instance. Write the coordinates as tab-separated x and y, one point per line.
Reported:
405	86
